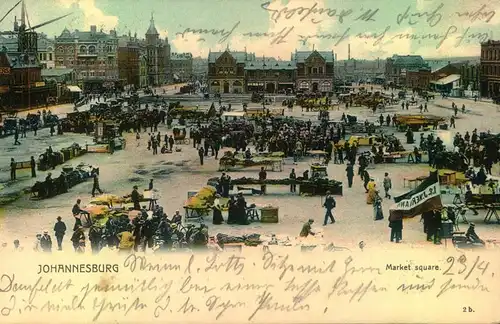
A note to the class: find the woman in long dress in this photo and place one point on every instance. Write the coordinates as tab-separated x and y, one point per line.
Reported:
217	213
378	213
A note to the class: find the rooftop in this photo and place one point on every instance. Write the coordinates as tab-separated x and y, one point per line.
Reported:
20	61
240	57
408	60
271	65
56	72
301	56
152	28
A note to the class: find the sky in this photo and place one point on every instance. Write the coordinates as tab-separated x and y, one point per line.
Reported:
372	28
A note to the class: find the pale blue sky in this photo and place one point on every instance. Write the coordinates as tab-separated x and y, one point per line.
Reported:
174	16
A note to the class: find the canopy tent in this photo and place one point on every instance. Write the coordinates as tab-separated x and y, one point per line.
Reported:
74	89
447	80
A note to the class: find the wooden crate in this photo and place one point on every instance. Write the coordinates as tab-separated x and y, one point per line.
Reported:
269	215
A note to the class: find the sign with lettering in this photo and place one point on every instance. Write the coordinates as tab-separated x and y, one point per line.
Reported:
39	84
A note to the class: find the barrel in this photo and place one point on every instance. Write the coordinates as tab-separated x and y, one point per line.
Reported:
269	215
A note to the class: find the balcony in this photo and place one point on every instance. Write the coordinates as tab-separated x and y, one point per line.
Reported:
87	55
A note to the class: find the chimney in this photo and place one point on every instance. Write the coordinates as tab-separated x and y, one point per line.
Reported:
93	29
348	51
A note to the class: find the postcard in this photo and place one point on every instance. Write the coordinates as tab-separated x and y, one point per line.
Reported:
249	161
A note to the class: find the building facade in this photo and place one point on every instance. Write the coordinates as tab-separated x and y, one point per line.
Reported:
315	71
46	52
181	66
92	54
490	69
129	61
21	83
397	66
470	76
157	55
200	68
143	71
226	71
270	76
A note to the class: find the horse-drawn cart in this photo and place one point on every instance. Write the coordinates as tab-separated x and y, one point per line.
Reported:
180	135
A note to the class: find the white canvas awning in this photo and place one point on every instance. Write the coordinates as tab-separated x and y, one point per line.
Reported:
74	89
447	80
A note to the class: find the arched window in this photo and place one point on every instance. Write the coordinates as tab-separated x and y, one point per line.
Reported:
92	50
83	49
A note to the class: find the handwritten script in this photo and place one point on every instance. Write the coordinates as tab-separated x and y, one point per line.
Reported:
440	23
242	288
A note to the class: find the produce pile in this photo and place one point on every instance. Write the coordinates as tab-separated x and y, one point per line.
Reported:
229	159
248	240
203	199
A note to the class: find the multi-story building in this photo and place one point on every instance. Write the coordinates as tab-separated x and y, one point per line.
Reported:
397	66
129	61
490	69
355	70
21	83
46	51
157	54
143	71
470	76
270	75
315	71
200	67
226	71
181	66
92	54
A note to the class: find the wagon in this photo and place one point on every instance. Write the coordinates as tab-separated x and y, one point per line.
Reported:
180	135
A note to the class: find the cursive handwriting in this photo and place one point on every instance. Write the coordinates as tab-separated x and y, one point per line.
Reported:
224	33
103	305
216	303
339	37
276	38
9	284
449	285
133	261
265	302
233	264
311	12
285	267
419	287
432	18
479	14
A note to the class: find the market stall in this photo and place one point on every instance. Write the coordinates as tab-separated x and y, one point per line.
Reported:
269	162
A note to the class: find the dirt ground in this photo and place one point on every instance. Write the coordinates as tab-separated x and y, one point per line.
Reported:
176	174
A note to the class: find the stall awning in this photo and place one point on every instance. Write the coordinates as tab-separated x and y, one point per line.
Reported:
74	89
447	80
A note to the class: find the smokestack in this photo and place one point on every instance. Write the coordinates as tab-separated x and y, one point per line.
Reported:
348	51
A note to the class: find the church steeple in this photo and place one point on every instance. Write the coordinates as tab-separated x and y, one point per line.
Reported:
152	29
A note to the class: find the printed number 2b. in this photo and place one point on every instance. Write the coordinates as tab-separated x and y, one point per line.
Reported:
467	310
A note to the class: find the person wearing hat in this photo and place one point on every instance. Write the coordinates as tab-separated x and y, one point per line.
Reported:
350	174
59	231
46	242
217	213
135	198
78	240
306	229
472	235
177	217
17	246
150	184
329	204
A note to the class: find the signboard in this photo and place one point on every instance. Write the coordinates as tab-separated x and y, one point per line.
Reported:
4	89
4	71
39	84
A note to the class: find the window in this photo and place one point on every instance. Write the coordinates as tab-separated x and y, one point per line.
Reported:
45	56
320	70
92	50
315	71
83	50
50	56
